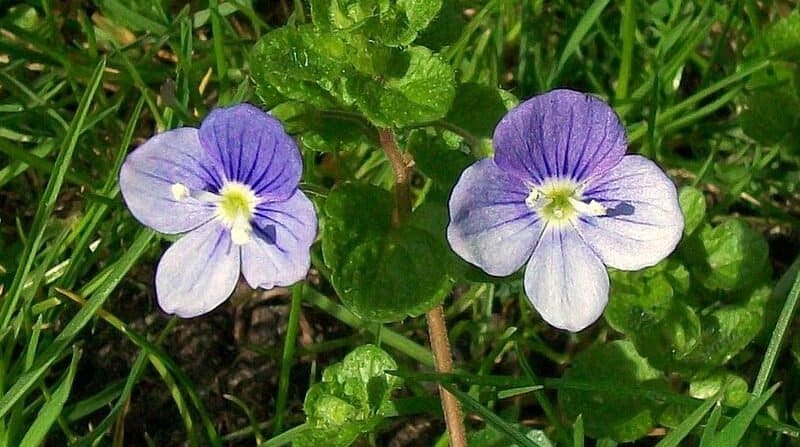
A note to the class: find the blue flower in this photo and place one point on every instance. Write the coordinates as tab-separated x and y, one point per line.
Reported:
561	195
232	187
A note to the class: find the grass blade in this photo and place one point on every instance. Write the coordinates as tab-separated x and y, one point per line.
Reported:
584	25
732	433
491	418
48	200
676	436
773	349
52	408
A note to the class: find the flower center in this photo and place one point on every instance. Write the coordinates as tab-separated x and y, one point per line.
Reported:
561	201
235	208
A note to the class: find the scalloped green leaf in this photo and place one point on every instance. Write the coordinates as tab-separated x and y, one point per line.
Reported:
351	399
381	273
606	412
392	23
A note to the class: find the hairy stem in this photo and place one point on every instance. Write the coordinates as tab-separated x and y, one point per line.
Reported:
402	164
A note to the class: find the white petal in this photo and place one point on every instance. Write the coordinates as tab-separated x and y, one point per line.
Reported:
198	272
491	225
278	254
565	280
643	221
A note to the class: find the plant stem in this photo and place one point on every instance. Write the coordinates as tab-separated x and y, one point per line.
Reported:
437	330
288	353
440	345
401	165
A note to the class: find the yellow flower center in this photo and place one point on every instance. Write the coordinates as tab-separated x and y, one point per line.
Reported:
235	208
560	202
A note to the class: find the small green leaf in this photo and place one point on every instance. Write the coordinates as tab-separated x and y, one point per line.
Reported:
771	115
693	206
492	437
733	388
322	132
372	262
728	329
337	70
736	256
393	23
299	64
354	213
351	399
422	91
395	276
643	306
478	108
782	39
437	159
606	413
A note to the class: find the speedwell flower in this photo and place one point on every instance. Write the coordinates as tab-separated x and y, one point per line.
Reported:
232	187
561	195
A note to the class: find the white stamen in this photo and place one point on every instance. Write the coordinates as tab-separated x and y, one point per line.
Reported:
534	199
593	208
240	234
179	191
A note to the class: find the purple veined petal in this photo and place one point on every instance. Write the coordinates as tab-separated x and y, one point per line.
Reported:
490	224
251	147
150	171
279	252
565	280
643	221
560	134
198	272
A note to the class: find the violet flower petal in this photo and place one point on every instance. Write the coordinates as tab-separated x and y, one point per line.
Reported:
251	147
198	272
560	134
278	254
149	173
490	224
565	280
643	221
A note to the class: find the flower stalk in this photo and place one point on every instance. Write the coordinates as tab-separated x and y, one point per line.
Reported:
402	164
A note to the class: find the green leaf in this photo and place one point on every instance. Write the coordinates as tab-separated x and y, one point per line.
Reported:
733	388
437	159
771	115
376	280
391	87
354	213
643	306
445	28
782	39
372	261
296	63
693	206
351	399
393	23
320	131
606	413
478	108
736	256
423	90
728	329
